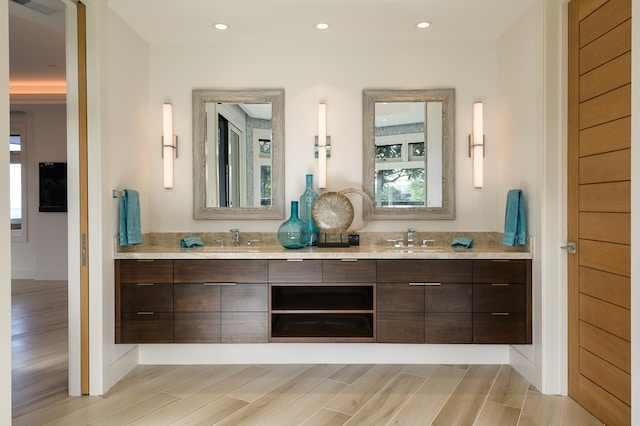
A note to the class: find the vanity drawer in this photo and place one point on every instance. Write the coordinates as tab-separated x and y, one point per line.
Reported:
196	327
447	328
146	327
399	297
400	327
146	297
196	297
244	327
500	328
295	271
448	298
244	298
500	271
349	271
499	298
146	271
220	271
422	271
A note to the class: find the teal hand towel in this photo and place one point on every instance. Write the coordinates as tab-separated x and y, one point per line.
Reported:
190	242
130	229
462	242
515	221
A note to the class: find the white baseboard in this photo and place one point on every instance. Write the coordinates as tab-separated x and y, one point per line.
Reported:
121	367
524	366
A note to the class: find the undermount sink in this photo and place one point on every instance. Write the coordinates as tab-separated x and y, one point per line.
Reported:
229	249
414	249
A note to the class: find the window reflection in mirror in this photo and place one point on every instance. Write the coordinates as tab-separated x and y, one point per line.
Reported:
408	153
238	154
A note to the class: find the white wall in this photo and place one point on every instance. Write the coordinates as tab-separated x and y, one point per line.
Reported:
5	235
44	255
346	69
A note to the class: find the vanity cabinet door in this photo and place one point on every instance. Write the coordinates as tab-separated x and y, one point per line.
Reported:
196	313
400	313
348	271
220	271
295	271
502	301
244	317
448	313
144	301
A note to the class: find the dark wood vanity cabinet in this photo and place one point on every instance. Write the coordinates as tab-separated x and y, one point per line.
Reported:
424	301
502	301
144	301
322	300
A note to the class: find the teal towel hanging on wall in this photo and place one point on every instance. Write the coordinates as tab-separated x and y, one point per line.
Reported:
515	221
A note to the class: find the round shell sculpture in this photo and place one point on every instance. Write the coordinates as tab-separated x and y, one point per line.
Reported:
332	213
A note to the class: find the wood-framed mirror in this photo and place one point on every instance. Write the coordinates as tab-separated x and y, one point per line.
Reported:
238	154
409	153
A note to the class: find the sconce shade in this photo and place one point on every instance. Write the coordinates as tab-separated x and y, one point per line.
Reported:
168	144
478	145
322	145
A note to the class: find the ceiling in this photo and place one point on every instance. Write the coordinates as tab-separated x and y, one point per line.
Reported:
37	40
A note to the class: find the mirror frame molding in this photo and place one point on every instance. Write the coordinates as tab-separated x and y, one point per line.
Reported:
276	98
369	99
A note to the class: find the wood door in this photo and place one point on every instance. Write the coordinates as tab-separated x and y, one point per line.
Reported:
599	207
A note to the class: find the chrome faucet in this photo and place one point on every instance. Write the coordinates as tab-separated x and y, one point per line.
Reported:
235	236
410	234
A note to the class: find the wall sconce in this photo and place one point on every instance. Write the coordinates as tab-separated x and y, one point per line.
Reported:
322	147
169	144
476	145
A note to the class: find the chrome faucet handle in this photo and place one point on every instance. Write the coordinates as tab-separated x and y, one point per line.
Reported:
250	243
410	235
396	242
425	242
235	233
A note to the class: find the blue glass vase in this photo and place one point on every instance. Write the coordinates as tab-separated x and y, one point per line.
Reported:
293	234
307	199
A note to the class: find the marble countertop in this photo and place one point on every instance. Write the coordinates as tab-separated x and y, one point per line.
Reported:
166	246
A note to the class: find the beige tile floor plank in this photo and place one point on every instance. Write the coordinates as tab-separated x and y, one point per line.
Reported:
541	410
350	373
429	399
57	410
267	405
494	414
467	399
362	390
276	376
306	405
509	389
574	414
385	404
209	375
134	412
326	417
202	397
420	370
212	413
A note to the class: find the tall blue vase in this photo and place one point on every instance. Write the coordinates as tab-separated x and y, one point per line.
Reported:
293	234
307	199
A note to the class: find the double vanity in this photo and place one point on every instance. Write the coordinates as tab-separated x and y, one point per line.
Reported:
372	293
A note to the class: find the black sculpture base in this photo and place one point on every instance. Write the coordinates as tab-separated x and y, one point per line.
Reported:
332	242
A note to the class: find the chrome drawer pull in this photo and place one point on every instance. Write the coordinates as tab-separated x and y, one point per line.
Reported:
426	284
219	283
145	284
500	314
295	260
146	313
145	260
349	260
500	284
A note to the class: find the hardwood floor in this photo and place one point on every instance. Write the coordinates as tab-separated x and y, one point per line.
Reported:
262	394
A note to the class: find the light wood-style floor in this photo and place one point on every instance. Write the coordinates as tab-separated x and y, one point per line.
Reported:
262	394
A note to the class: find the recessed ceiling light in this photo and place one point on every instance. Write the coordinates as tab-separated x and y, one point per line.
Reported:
423	24
221	26
322	26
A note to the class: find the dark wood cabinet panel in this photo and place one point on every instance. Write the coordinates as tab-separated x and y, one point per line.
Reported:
220	271
500	271
146	297
295	271
431	270
499	298
244	327
196	298
400	297
244	298
146	271
492	328
400	327
321	297
196	327
445	328
448	298
339	271
149	327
